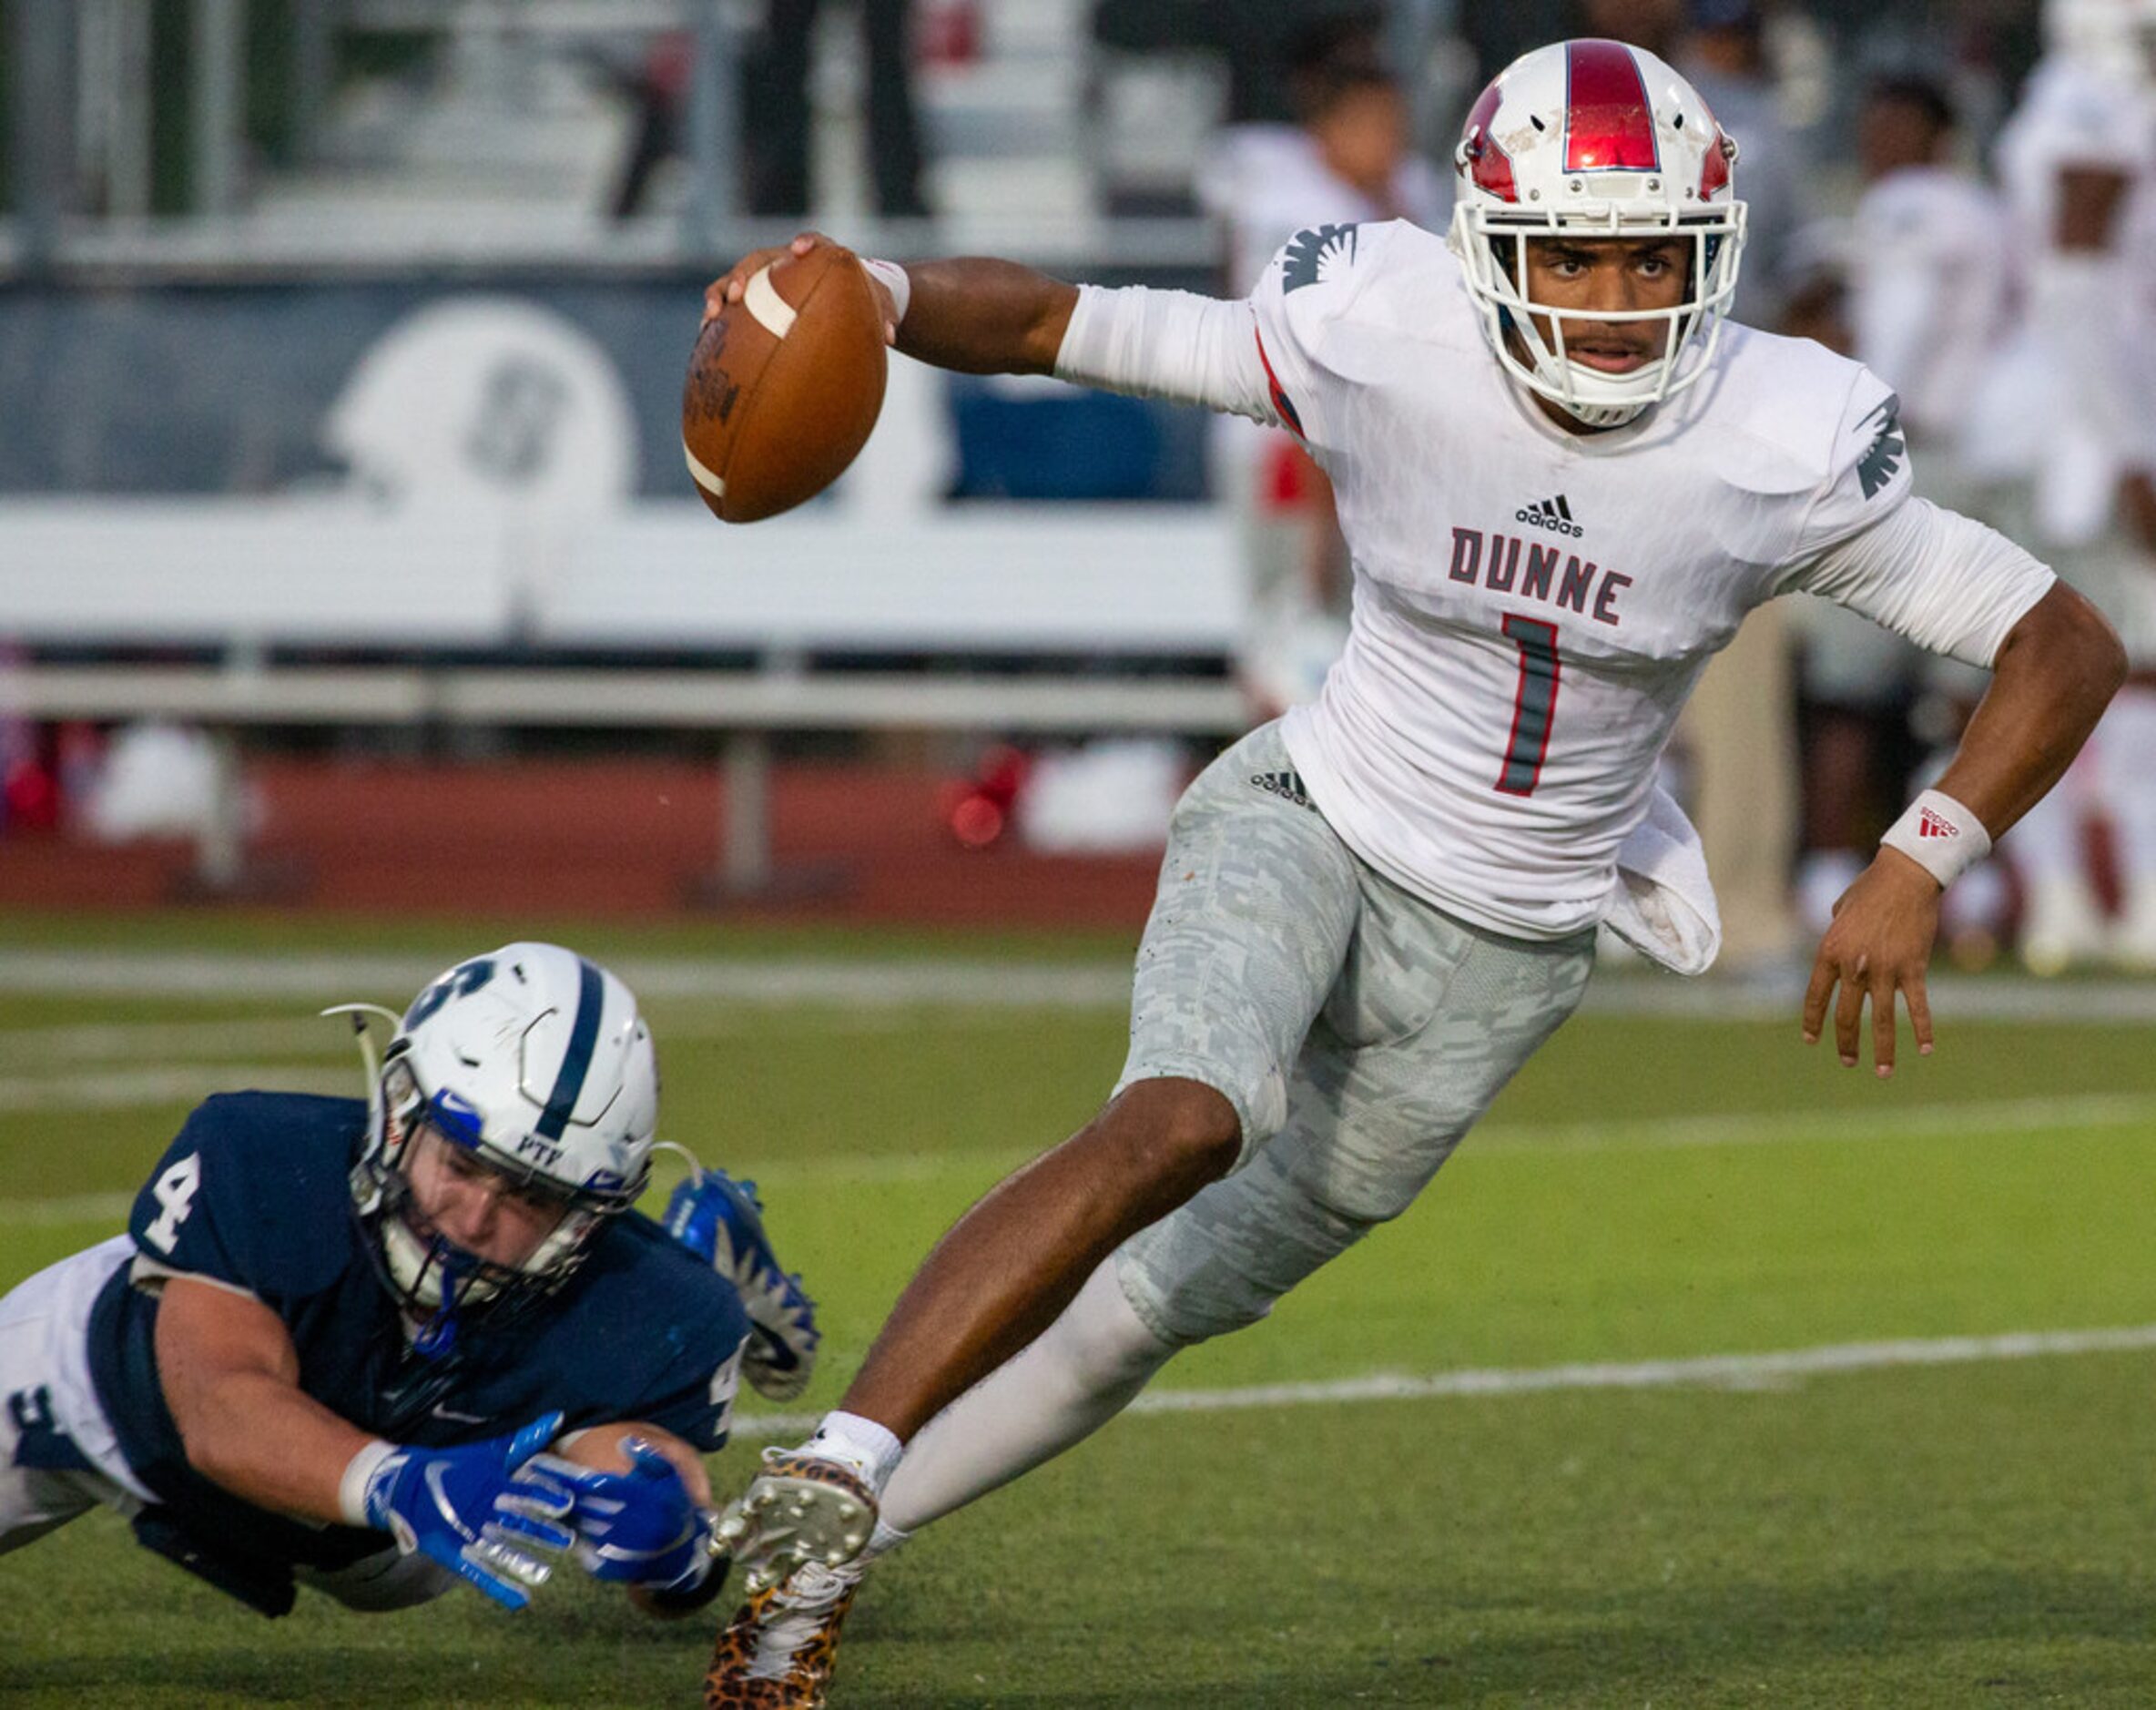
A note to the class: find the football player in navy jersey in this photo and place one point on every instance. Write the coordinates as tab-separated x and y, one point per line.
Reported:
376	1346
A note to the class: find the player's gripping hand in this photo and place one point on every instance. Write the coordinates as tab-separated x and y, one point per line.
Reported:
642	1527
729	287
800	1508
476	1509
1878	946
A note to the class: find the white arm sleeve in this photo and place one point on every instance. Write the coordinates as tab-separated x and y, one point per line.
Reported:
1947	583
1166	345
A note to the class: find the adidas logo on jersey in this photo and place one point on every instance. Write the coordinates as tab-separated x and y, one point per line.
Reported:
1288	786
1930	824
1554	515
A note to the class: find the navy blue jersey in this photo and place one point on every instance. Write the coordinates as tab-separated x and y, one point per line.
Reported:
255	1193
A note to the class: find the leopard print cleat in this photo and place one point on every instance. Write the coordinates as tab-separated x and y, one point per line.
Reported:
777	1652
799	1509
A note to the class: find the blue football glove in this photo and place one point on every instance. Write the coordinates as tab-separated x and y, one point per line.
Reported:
640	1527
476	1509
719	1219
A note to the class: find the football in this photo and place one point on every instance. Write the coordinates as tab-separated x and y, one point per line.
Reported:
784	386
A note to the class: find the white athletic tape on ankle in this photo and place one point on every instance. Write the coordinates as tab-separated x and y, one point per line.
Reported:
1940	836
895	280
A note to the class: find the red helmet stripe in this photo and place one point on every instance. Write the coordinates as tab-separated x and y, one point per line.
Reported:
1609	122
1713	172
1489	166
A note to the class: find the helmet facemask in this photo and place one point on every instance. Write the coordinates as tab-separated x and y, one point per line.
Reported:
1494	252
427	1269
531	1066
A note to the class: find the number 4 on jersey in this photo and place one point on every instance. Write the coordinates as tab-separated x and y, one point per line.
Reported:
1533	704
175	1193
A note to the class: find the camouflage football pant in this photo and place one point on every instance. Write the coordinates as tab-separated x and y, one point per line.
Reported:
1358	1031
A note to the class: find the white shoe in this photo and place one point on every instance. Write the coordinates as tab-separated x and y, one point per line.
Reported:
2062	927
2133	938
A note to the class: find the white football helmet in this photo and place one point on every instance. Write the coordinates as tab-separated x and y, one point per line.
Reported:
2116	37
1594	139
536	1061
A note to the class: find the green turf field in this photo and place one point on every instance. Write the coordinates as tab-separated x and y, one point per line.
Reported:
1923	1521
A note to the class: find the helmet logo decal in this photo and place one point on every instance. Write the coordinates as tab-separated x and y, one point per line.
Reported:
456	1116
577	1060
1714	171
460	982
1608	123
1489	166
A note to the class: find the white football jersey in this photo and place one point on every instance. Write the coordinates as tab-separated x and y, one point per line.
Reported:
2067	401
2070	114
1928	289
1533	605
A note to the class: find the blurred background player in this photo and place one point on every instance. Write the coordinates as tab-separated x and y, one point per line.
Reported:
1348	157
1922	303
2068	413
373	1347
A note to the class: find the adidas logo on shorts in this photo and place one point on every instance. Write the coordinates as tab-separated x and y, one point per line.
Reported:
1554	515
1287	786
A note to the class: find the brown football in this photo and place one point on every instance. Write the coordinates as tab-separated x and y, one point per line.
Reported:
784	386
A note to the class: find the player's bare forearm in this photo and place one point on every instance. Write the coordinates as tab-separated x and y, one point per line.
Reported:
981	316
602	1447
2055	673
231	1379
972	313
2057	670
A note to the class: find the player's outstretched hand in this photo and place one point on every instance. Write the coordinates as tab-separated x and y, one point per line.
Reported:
642	1527
1879	945
477	1509
800	1508
729	287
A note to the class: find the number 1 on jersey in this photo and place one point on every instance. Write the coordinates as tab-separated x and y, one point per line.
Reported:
1533	705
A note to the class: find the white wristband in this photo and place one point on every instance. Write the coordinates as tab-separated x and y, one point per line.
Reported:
1940	836
359	1473
894	280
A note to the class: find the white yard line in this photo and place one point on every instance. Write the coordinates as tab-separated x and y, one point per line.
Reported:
105	1088
1711	1372
335	977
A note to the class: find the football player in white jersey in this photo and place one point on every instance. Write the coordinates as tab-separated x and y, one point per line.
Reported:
1563	480
2069	410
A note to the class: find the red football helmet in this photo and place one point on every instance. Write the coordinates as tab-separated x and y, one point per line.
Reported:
1594	138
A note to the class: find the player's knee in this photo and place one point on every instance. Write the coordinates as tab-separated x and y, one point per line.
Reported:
1176	1130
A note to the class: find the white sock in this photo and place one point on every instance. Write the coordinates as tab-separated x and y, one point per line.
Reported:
1083	1370
853	1440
